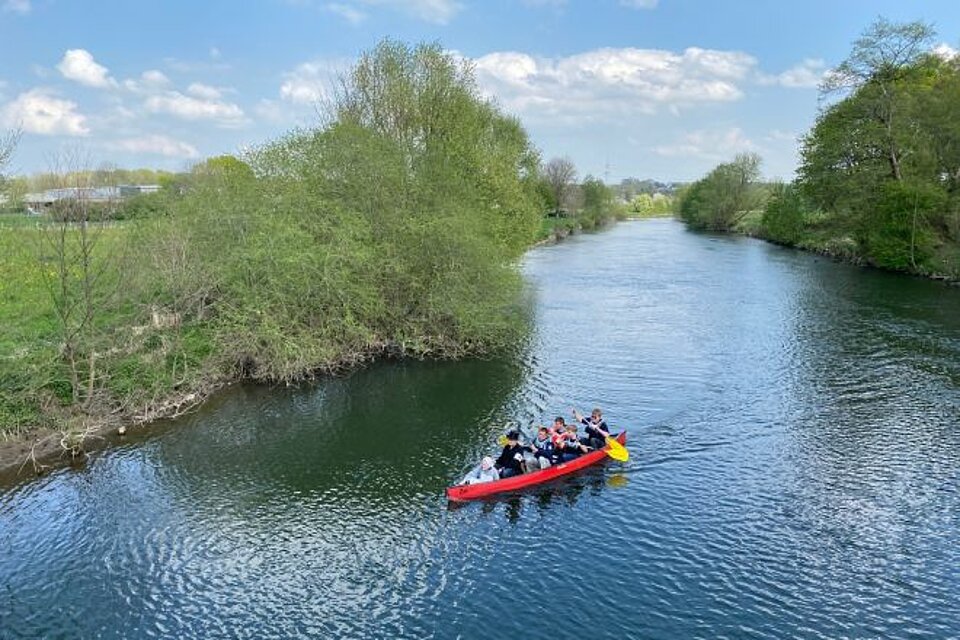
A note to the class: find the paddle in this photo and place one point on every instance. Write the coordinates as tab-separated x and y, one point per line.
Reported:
616	450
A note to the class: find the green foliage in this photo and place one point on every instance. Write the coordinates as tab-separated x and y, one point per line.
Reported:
548	198
718	201
885	159
879	179
147	205
395	227
646	205
783	216
899	235
598	202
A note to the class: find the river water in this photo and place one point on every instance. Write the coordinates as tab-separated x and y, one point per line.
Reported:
795	473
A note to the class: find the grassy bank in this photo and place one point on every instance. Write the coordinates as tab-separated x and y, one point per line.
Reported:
376	234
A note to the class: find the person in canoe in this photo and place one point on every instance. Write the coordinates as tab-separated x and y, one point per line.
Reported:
542	448
570	446
596	428
558	430
510	461
485	473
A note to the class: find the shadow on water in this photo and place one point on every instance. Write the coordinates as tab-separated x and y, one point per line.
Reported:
385	434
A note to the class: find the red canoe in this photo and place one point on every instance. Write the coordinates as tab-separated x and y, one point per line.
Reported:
482	489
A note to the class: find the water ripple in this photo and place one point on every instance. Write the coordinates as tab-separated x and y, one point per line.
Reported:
794	427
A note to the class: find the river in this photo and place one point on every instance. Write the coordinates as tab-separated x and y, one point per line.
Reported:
794	427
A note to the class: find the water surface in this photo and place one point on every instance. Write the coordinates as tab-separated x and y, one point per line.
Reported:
795	435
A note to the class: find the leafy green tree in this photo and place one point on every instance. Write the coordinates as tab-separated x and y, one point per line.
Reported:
881	62
598	202
722	198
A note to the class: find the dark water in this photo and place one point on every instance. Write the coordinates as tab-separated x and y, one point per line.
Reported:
795	473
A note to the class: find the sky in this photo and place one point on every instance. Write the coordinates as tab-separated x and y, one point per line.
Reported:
661	89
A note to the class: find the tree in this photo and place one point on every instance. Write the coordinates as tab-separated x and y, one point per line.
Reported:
8	143
455	145
729	192
226	167
80	276
560	174
884	160
598	201
882	59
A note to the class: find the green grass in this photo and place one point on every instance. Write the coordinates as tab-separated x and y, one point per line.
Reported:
19	220
27	318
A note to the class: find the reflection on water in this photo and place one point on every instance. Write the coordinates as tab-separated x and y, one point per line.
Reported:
795	434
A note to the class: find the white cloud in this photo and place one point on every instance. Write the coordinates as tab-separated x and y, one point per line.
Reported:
41	111
640	4
149	82
17	6
186	107
312	82
78	65
155	145
612	82
945	51
348	12
805	75
709	145
204	91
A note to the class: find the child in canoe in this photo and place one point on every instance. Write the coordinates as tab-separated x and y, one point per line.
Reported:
510	461
486	472
596	428
543	448
570	446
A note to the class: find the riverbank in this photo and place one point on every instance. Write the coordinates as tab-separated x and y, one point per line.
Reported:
822	239
36	449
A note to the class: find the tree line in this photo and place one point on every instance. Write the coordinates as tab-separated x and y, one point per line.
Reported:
879	178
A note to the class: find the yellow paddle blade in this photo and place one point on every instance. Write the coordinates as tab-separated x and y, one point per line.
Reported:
502	441
616	450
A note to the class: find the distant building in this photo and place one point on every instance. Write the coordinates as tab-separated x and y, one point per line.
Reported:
37	202
130	190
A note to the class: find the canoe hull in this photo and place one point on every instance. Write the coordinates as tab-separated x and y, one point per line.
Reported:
462	492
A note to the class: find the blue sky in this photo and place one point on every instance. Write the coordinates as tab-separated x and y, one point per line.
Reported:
662	89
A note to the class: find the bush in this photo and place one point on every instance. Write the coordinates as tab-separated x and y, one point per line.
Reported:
147	205
783	215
